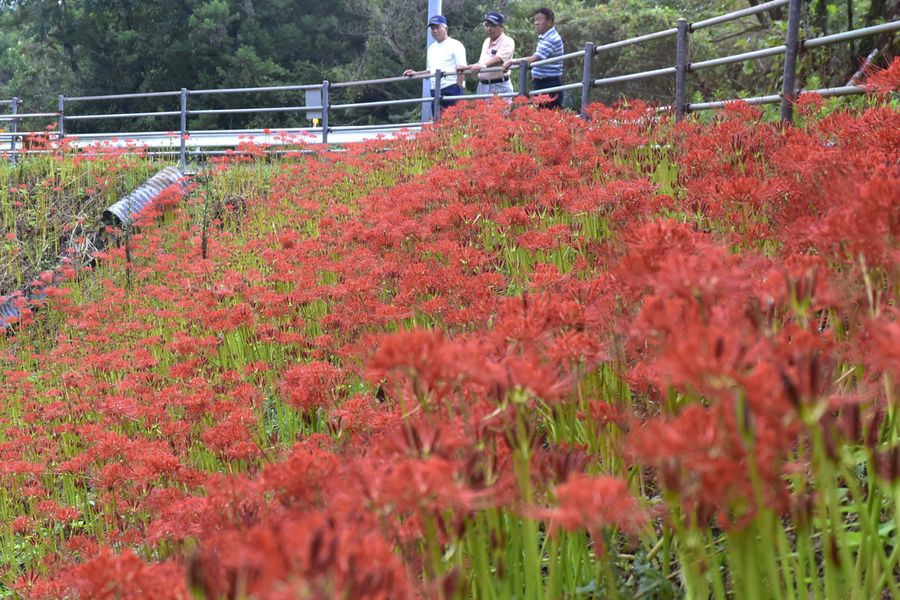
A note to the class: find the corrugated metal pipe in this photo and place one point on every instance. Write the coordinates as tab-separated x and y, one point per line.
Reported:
121	213
124	211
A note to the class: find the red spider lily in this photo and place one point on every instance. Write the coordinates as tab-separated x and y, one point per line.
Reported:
123	576
302	555
594	504
425	317
309	386
885	80
232	437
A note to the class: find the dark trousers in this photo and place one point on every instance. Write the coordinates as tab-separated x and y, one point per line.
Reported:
556	98
450	90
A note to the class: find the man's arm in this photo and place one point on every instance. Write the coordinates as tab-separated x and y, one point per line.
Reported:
529	59
459	56
494	61
543	51
504	53
475	67
426	71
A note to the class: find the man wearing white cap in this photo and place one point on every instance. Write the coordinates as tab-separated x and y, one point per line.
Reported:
445	55
497	49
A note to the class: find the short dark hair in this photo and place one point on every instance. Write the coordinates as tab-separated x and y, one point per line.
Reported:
546	12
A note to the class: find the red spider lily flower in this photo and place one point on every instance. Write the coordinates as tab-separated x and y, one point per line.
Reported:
883	351
231	437
594	504
125	577
23	524
310	386
885	80
302	477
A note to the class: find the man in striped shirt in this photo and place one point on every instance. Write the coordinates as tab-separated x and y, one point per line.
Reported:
549	45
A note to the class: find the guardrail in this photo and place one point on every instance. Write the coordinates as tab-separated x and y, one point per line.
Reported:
680	107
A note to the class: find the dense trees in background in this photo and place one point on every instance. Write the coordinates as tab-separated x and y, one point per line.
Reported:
78	47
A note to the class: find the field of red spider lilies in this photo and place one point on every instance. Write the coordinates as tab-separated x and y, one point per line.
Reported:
520	356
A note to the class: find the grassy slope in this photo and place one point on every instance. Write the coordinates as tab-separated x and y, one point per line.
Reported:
663	347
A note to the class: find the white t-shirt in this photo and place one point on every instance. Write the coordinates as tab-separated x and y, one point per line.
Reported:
446	56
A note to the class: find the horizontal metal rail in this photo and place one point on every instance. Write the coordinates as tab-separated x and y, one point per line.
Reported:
852	35
743	57
637	40
237	132
381	103
556	59
770	99
397	126
635	76
242	111
746	12
174	135
512	67
19	116
482	96
7	135
489	70
167	113
846	90
247	90
235	152
381	81
385	80
121	96
558	88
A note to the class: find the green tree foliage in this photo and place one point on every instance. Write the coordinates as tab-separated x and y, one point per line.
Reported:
81	47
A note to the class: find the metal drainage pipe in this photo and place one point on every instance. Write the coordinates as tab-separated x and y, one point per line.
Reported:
124	211
120	213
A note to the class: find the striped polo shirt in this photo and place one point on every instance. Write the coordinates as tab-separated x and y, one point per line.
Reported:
549	44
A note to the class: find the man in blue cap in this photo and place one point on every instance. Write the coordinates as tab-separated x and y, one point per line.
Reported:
497	49
446	55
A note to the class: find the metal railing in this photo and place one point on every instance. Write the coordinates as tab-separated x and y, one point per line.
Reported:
682	67
792	47
324	106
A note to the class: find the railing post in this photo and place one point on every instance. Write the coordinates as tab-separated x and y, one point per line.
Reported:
587	81
523	78
681	67
326	103
792	45
436	103
184	130
15	129
61	119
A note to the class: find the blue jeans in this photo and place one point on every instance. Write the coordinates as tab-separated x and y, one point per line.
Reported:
450	90
556	98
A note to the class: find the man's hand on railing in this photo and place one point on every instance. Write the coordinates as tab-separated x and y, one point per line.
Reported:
520	62
469	68
409	73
